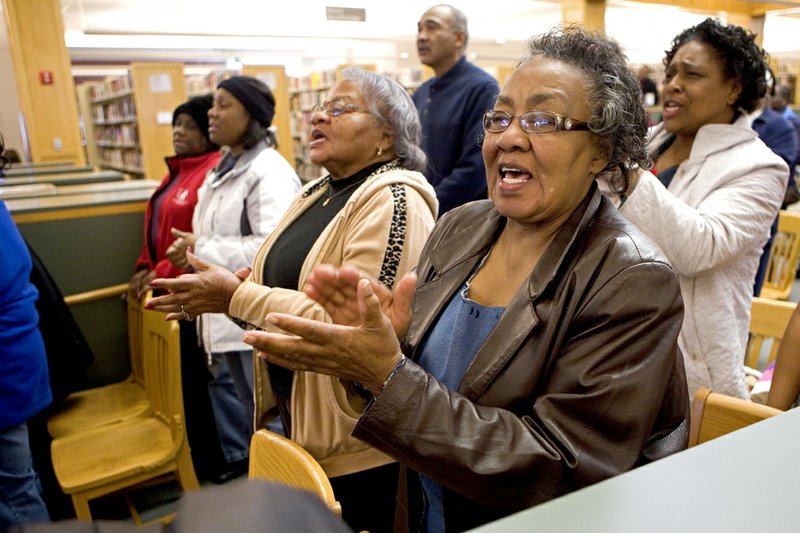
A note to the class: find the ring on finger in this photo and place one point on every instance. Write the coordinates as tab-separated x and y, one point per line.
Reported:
184	315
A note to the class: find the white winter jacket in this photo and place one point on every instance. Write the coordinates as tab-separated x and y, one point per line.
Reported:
234	215
712	224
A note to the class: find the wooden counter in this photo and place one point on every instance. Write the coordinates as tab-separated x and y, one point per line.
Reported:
73	178
39	170
90	241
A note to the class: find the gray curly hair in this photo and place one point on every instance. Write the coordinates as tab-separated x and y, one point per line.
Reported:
617	112
391	104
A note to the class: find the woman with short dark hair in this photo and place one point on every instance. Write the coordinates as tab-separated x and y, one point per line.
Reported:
712	195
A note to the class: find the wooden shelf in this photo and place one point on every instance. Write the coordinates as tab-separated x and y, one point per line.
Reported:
115	122
121	128
103	144
308	91
325	89
123	110
117	96
203	85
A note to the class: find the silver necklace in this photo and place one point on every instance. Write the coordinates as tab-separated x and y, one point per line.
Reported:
391	165
332	196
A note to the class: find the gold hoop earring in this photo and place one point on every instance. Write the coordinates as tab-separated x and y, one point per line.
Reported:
380	151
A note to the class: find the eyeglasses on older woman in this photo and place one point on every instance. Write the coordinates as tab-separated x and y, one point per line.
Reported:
337	107
531	122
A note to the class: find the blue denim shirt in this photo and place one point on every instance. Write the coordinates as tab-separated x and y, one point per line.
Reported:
447	356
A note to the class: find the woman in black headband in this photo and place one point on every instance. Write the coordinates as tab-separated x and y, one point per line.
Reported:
238	206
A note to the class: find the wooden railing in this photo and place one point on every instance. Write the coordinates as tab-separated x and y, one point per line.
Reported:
97	294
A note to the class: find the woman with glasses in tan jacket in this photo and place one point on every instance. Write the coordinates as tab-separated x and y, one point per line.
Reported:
374	211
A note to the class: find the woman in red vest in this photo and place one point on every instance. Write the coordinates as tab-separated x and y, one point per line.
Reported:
172	204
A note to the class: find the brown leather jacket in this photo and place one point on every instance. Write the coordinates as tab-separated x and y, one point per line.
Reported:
580	380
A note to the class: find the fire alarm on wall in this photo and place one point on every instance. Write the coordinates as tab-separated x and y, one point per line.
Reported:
46	77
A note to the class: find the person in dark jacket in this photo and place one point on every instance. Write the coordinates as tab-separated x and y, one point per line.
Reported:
778	134
450	108
536	353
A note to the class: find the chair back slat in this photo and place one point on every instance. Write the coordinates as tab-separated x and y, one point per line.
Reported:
135	349
768	321
162	366
783	257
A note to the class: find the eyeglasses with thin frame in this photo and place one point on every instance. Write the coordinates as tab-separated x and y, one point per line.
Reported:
336	108
535	122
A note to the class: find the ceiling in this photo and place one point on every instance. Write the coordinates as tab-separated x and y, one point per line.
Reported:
297	34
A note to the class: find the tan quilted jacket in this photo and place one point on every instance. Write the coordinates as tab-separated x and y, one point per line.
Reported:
396	205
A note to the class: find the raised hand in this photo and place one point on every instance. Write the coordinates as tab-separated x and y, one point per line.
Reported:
176	253
208	290
335	290
140	282
365	353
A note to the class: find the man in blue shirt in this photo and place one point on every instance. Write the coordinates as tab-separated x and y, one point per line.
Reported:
451	107
778	134
778	104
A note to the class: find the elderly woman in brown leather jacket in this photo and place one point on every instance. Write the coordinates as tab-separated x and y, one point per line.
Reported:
540	353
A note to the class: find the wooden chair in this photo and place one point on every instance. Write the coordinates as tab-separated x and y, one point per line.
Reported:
768	321
110	458
279	459
783	257
112	403
714	415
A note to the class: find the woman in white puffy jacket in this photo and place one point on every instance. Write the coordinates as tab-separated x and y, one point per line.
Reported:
712	195
238	206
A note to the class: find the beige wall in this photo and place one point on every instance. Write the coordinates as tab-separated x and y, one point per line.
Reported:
36	42
9	101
